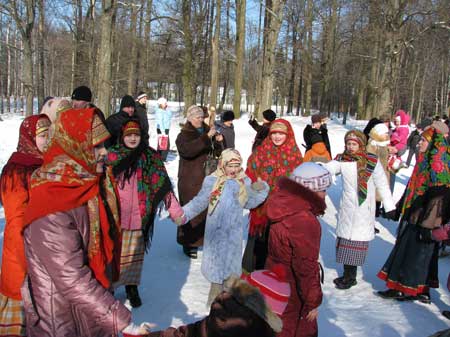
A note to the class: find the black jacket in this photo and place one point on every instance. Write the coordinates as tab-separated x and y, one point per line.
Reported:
262	131
310	133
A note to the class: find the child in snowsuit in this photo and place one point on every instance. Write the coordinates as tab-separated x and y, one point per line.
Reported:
294	242
226	192
142	184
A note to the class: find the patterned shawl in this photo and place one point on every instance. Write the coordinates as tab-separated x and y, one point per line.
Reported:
432	169
153	181
270	162
67	179
227	156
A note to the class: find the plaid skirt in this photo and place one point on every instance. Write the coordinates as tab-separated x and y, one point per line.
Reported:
131	258
352	253
12	317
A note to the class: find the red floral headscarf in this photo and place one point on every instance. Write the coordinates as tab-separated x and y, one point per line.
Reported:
69	172
270	162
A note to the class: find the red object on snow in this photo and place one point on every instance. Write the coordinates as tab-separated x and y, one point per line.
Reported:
163	142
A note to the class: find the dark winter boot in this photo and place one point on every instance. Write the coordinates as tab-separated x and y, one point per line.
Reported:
190	252
390	294
446	314
133	296
349	278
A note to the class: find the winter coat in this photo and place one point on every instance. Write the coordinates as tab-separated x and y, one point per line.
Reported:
317	153
193	148
382	153
14	265
115	122
309	133
224	232
356	222
413	140
295	238
61	295
163	117
399	136
228	134
197	329
130	215
262	131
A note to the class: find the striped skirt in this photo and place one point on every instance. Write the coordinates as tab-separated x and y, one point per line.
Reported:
12	317
131	258
352	253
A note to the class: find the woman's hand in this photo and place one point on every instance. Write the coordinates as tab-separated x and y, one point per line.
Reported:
138	330
312	315
212	132
257	185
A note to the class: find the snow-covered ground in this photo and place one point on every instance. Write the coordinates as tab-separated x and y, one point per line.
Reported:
174	291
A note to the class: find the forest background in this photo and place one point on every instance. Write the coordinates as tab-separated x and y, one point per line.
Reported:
364	57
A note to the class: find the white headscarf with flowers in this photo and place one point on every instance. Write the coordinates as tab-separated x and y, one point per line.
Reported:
228	156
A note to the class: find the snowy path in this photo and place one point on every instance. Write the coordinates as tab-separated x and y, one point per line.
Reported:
173	290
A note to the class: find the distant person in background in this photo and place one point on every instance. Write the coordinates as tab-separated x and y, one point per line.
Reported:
127	111
163	118
141	103
14	188
317	128
226	128
318	151
370	124
81	97
414	139
262	131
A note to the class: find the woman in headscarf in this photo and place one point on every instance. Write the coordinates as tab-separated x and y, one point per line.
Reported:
277	156
362	174
143	183
14	196
224	193
412	267
194	142
72	237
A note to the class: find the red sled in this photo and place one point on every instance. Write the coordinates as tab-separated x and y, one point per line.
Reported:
163	142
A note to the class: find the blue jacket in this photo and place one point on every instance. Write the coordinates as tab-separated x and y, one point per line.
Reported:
163	118
224	232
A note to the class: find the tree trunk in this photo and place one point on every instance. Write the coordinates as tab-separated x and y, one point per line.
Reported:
105	86
188	76
147	32
41	55
240	55
308	56
133	54
215	57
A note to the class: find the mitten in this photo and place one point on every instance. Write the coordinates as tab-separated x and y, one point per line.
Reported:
258	185
180	220
173	206
425	235
134	330
441	233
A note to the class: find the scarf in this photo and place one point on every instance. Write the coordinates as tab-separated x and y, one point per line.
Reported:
227	156
270	162
365	164
67	179
431	170
153	180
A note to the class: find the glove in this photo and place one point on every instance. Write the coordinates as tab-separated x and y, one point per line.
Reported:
134	330
425	235
441	233
158	131
258	185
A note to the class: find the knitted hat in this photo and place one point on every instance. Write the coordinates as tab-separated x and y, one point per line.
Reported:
269	115
251	297
82	93
161	101
194	111
278	127
313	176
274	287
227	116
357	136
140	95
380	134
440	126
127	101
130	128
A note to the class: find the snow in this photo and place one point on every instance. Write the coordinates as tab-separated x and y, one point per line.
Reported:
174	291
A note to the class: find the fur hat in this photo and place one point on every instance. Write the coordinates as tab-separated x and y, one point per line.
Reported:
140	95
251	297
312	175
441	127
379	135
161	101
227	116
357	136
127	101
82	93
269	115
194	111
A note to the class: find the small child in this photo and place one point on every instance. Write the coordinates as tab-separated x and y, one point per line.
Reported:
226	192
143	184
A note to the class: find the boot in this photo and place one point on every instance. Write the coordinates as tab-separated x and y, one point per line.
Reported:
133	296
349	279
346	283
390	294
446	314
190	252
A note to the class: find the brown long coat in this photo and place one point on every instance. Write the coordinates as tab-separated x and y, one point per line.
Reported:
193	149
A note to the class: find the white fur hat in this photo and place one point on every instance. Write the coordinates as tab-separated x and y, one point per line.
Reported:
161	101
313	176
379	135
